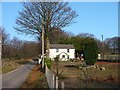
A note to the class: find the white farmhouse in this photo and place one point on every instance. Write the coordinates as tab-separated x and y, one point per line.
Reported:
65	51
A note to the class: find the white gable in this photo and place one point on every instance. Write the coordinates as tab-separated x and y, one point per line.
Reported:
64	54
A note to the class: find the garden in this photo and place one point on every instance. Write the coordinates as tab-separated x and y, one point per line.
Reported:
74	76
89	73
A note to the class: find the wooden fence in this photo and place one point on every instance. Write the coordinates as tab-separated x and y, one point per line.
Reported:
50	77
52	80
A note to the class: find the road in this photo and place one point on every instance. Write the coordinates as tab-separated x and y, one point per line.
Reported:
14	79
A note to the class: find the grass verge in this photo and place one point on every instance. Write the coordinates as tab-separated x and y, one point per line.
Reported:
12	65
36	79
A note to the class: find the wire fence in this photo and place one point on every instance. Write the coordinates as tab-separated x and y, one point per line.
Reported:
110	58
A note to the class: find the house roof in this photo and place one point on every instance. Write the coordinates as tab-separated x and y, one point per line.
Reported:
61	46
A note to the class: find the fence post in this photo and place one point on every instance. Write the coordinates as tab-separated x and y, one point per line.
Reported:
62	85
45	69
53	80
50	78
56	85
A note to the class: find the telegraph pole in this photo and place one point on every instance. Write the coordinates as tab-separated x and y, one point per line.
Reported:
43	46
0	61
0	47
102	48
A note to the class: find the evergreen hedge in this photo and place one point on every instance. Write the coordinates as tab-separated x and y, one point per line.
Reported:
90	51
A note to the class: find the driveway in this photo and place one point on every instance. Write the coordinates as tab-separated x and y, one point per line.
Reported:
14	79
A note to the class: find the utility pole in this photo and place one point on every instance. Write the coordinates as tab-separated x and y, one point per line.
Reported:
102	48
0	61
43	46
0	47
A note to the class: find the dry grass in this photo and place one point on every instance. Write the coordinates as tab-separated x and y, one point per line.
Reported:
73	78
111	72
11	65
36	79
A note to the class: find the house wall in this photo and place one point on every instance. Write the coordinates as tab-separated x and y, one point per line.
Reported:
62	52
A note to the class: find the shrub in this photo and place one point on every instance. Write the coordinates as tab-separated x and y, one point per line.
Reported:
71	60
90	51
22	61
18	56
48	62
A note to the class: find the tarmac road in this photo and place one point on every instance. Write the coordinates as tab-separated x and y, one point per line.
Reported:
15	79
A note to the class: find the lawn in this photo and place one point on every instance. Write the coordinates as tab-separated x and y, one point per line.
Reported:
75	78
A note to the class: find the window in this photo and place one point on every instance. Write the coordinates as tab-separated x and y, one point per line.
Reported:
67	50
68	56
57	50
63	56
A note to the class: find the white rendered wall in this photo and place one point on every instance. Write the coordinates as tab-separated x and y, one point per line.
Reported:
71	53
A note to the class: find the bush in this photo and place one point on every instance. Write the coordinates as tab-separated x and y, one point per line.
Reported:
48	62
71	60
18	56
90	51
22	61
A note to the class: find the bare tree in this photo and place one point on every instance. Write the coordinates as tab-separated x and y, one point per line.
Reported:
118	45
16	43
114	44
86	35
38	16
0	30
28	48
5	42
5	36
56	35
